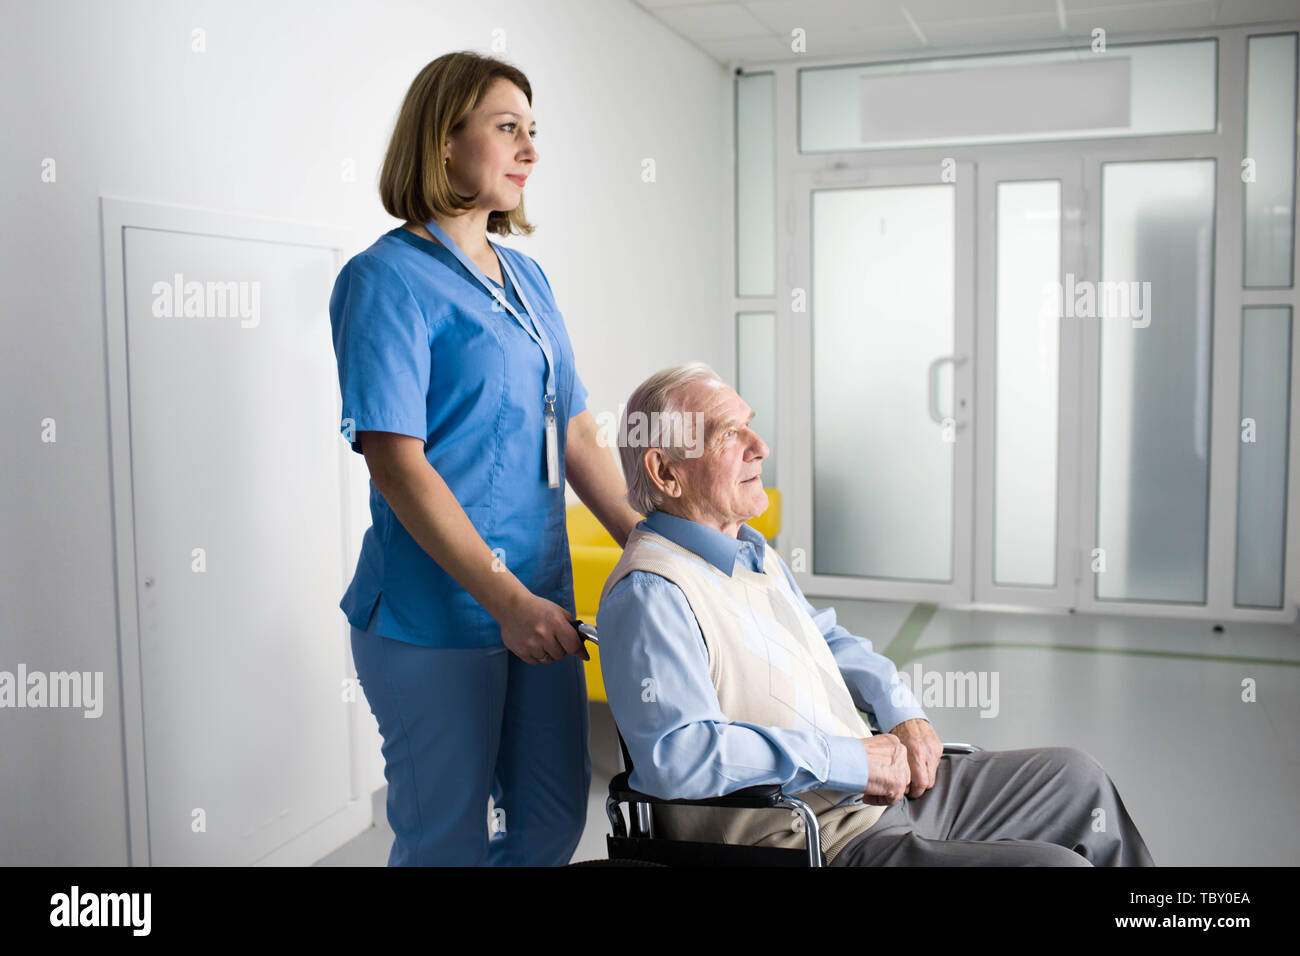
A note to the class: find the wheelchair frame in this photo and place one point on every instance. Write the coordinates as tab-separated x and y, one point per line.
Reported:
641	844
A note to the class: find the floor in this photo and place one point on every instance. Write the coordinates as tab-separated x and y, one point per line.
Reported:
1193	726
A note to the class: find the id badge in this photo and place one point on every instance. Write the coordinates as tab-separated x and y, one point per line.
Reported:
552	452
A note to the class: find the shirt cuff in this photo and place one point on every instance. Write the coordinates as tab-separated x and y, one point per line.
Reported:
848	767
899	704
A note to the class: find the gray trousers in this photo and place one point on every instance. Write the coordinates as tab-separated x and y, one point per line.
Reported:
1048	806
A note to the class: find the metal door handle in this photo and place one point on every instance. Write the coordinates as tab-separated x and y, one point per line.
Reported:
932	391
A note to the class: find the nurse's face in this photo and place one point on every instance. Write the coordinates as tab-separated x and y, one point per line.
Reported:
493	153
722	487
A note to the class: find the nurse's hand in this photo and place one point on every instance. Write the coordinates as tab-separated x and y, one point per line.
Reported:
540	631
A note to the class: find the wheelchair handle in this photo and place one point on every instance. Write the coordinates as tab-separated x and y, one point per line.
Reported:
587	631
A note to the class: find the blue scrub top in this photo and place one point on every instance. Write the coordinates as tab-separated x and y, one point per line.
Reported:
421	352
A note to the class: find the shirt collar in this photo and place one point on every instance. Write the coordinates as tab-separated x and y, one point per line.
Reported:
717	548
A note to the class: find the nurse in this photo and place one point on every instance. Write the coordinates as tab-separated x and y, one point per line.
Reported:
460	390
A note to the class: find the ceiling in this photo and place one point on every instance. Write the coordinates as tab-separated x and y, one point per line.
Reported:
737	33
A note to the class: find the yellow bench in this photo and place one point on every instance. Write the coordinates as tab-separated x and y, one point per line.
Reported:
594	555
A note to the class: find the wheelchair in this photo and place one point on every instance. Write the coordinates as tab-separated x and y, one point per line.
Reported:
640	846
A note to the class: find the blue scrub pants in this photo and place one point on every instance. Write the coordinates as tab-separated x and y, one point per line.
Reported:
460	723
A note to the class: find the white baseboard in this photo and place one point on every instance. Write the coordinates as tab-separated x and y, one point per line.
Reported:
325	837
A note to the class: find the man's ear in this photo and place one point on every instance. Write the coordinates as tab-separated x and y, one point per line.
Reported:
661	472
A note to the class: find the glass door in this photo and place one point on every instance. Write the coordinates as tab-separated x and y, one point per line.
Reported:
1031	268
997	385
879	351
1150	348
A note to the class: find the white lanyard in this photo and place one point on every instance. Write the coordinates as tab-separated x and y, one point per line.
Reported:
536	332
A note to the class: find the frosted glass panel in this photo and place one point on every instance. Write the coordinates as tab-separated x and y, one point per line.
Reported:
1157	262
883	309
1027	374
756	379
1262	463
1270	144
996	101
1171	89
755	185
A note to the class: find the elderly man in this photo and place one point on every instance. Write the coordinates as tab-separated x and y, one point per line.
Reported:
721	676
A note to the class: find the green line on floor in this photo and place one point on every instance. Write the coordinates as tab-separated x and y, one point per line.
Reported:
901	646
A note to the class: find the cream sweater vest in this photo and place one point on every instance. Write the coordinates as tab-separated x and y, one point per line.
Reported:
770	666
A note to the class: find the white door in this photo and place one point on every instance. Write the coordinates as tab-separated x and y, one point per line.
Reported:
878	354
237	494
1028	360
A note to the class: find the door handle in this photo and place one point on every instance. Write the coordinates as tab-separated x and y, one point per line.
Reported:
932	391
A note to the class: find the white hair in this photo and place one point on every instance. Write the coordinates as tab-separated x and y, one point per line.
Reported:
657	398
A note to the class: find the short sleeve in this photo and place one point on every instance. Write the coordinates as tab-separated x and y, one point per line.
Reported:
381	343
578	403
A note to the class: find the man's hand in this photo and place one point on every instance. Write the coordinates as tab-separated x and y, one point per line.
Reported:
888	772
924	748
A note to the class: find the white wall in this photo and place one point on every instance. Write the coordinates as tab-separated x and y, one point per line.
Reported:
261	123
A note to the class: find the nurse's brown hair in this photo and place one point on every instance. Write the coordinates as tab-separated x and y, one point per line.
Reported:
413	185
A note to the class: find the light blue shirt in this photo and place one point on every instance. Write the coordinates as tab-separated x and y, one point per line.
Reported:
681	743
421	352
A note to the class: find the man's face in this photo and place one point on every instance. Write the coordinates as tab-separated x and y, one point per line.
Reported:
723	486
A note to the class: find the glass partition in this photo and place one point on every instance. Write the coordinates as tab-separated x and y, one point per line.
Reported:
755	184
1129	90
1270	155
1027	370
1154	307
1265	422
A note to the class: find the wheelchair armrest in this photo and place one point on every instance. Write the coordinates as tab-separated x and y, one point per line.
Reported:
948	748
760	797
750	798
